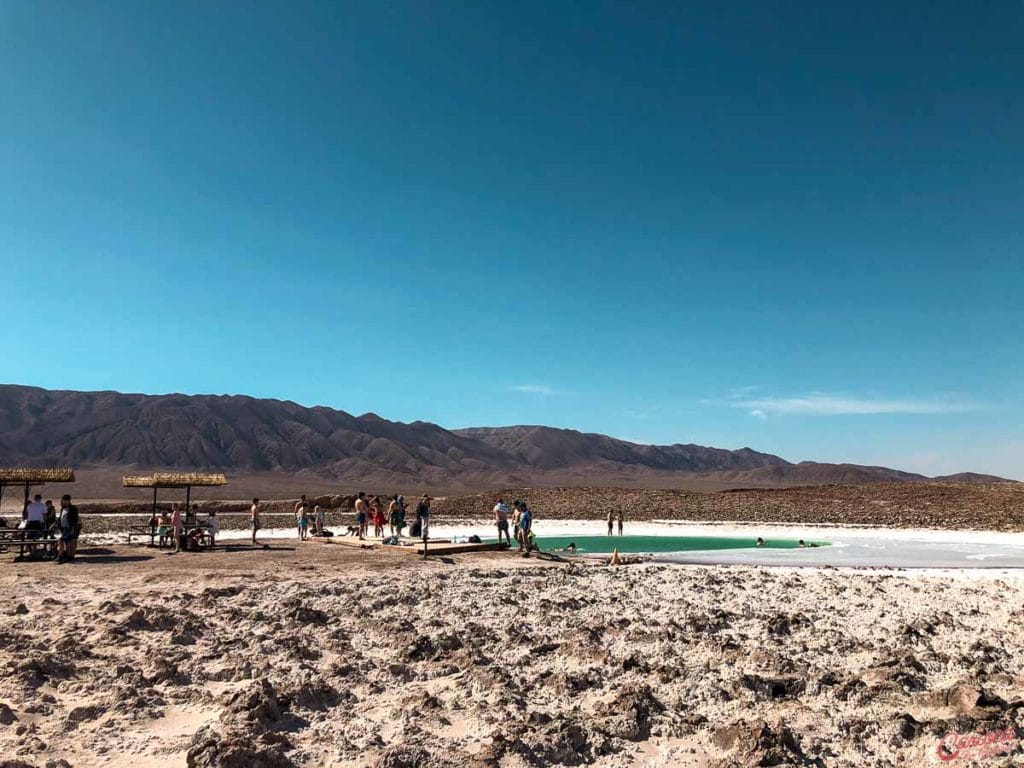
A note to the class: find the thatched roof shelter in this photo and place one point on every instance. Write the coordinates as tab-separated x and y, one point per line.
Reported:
35	475
173	480
186	480
29	476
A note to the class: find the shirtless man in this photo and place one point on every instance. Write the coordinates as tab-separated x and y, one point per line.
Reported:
177	527
393	514
611	521
361	512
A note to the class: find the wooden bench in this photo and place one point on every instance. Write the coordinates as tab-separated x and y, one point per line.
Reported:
30	540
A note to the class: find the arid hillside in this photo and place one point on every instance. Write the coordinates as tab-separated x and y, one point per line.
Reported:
268	440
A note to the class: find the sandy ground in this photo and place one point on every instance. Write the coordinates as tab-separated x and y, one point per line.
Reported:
322	655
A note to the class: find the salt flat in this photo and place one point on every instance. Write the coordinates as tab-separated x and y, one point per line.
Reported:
311	655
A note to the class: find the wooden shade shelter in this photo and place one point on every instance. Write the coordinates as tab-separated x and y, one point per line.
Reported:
30	476
186	480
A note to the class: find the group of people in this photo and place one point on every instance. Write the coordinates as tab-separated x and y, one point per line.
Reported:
522	524
390	519
40	518
311	518
303	516
184	531
613	518
394	517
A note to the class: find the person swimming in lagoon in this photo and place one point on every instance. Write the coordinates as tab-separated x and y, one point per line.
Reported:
760	542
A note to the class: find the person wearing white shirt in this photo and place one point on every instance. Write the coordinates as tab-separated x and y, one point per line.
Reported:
501	513
35	514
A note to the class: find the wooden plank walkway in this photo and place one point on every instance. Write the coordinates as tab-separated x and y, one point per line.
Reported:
433	547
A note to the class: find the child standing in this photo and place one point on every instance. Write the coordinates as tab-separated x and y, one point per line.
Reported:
213	527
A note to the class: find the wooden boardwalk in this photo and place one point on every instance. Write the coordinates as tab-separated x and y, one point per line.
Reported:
440	547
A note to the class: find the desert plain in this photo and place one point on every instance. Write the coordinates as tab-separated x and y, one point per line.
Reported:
319	654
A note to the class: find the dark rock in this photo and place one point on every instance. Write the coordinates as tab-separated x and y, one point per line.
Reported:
257	704
628	715
304	614
210	749
82	714
755	743
782	625
406	756
907	729
560	741
774	688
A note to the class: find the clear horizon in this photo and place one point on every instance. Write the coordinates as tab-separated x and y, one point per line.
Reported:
794	229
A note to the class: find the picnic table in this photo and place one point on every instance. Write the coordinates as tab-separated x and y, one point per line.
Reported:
153	533
30	539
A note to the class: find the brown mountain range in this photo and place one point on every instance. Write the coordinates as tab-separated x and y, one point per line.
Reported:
252	436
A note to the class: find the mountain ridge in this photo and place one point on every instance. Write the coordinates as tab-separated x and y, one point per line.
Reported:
243	433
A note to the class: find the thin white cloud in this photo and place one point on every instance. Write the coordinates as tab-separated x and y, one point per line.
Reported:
533	389
825	404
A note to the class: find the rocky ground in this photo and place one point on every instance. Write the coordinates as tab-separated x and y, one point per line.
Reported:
986	506
969	506
321	655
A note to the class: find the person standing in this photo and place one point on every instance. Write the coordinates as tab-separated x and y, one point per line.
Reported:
517	510
299	504
378	517
213	527
70	527
254	513
423	515
361	514
618	520
319	518
611	521
400	516
51	515
177	527
35	516
393	514
501	520
525	528
302	520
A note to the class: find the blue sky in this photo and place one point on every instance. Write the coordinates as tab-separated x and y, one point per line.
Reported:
797	228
